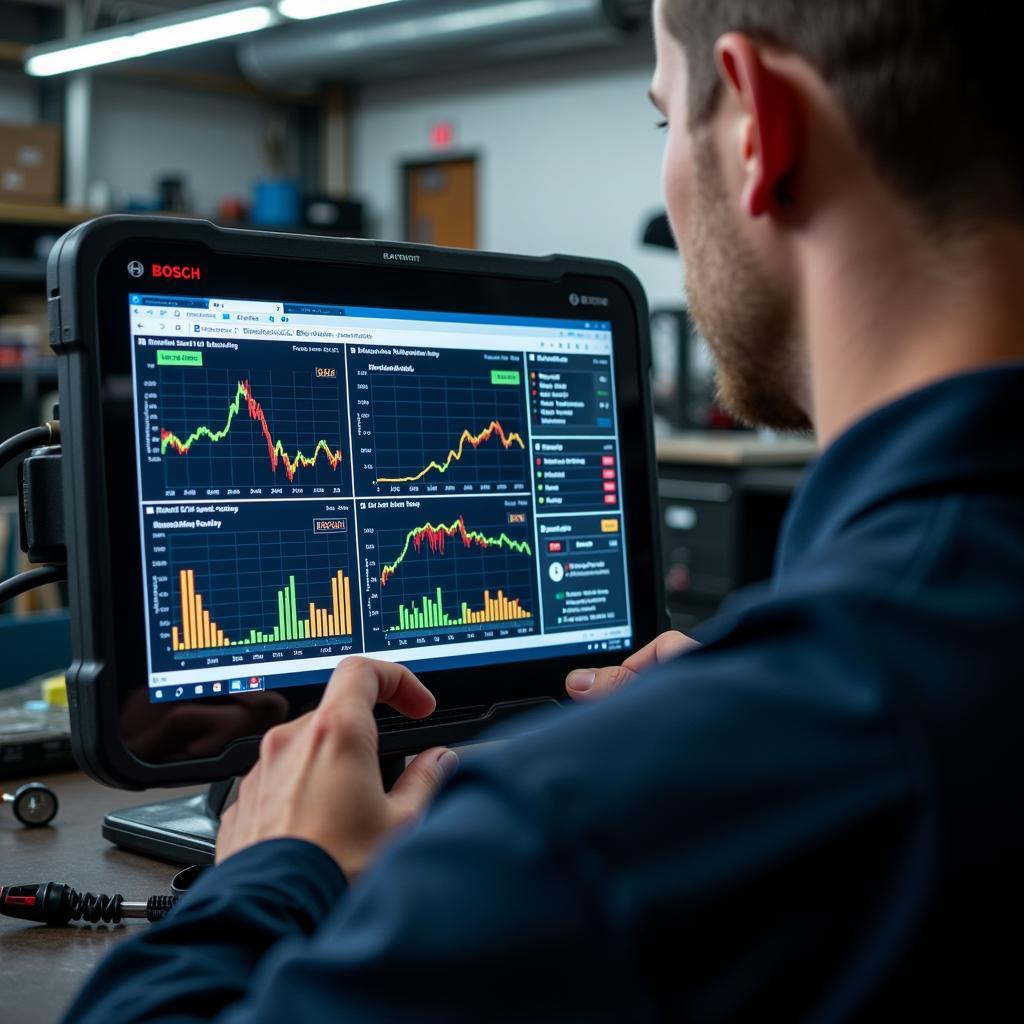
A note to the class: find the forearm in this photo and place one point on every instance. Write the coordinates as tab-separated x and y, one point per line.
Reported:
479	913
201	959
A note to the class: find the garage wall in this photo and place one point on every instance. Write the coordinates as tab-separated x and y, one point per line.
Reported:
141	132
570	158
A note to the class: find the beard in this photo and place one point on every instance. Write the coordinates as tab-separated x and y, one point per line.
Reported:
746	319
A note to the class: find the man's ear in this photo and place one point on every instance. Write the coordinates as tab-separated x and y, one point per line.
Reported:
771	140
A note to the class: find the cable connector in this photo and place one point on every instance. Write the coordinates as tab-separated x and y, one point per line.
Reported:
34	437
41	508
57	904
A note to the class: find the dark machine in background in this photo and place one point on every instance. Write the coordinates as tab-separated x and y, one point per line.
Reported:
721	511
682	370
723	489
683	375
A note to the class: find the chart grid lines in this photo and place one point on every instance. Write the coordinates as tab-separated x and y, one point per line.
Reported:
228	582
470	563
432	416
285	482
248	428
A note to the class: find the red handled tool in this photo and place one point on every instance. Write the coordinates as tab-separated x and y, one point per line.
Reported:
57	904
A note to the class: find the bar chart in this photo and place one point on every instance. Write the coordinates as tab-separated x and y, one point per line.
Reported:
199	632
432	615
261	580
453	568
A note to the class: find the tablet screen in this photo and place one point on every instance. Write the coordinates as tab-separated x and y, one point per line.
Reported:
316	481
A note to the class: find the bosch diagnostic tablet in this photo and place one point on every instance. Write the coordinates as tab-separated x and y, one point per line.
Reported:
280	451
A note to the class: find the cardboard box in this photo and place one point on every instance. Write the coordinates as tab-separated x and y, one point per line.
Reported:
30	167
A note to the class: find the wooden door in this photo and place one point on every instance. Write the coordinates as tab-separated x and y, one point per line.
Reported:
440	203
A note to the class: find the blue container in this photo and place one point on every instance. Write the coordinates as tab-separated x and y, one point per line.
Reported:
276	204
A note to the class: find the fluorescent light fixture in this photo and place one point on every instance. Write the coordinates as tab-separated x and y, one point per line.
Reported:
462	21
302	10
141	42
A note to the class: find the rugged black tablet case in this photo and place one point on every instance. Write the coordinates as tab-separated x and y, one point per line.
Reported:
73	331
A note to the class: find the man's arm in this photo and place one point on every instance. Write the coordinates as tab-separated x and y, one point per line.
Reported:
488	884
705	842
485	907
201	959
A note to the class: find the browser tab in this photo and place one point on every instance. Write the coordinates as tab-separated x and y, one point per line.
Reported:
245	306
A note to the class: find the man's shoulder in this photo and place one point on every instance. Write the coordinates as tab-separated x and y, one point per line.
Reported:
909	550
868	661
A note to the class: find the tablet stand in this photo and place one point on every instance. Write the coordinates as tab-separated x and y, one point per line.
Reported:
184	830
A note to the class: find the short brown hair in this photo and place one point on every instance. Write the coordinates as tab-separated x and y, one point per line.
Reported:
928	86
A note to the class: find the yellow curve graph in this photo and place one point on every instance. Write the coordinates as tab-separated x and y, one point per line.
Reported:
455	454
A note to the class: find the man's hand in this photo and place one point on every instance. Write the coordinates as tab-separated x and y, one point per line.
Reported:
318	778
585	684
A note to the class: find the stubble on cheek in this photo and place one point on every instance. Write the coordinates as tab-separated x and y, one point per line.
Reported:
744	315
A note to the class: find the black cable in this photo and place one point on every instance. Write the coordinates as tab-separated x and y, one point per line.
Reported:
34	437
30	580
57	904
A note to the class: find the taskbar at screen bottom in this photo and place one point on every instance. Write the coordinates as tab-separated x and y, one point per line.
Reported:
182	689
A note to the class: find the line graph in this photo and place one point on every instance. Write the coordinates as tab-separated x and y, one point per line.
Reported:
435	536
275	449
455	573
455	454
447	423
262	428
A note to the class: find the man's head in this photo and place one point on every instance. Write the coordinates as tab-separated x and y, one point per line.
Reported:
786	118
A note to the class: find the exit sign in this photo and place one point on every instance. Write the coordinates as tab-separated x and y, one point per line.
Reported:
442	135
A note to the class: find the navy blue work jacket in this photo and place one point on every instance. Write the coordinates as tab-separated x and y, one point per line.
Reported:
813	817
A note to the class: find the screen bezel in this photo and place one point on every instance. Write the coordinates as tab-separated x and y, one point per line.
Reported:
256	266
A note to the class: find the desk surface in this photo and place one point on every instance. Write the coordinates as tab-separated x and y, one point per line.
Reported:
734	448
52	963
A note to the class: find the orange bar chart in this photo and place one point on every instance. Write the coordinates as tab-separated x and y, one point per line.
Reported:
199	631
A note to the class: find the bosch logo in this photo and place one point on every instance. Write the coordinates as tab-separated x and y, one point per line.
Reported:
136	269
176	271
588	300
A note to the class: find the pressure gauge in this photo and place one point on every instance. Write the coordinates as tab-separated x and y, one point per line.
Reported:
34	804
